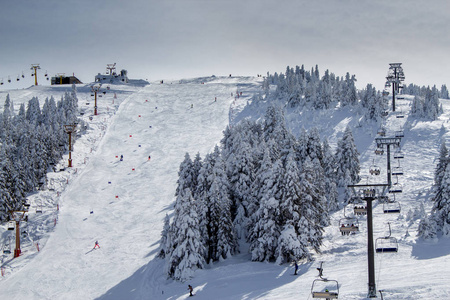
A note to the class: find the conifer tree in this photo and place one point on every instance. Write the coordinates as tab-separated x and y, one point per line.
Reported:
347	158
187	251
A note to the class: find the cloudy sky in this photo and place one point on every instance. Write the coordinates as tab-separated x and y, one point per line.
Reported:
173	39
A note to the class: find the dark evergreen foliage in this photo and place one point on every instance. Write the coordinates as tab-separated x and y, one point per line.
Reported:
30	143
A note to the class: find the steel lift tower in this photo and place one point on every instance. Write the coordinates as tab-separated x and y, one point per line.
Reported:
395	78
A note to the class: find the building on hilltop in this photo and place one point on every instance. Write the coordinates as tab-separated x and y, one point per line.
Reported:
61	79
111	76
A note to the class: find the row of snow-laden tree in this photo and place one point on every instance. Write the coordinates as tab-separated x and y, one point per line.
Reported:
31	140
262	186
438	222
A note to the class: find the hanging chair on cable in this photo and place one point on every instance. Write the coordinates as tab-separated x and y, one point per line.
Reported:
324	288
386	244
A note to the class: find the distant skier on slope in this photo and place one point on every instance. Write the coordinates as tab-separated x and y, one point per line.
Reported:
296	268
96	245
121	157
190	290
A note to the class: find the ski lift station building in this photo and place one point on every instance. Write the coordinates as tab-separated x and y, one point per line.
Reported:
113	77
65	80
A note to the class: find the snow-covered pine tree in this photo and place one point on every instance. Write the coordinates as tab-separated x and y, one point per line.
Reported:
185	176
346	158
187	251
313	214
443	161
165	242
441	205
266	230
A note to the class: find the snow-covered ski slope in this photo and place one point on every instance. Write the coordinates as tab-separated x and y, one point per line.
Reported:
129	199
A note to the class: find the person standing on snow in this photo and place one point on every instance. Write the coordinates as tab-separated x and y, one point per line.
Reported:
296	268
190	290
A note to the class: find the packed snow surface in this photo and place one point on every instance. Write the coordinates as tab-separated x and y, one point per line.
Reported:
122	204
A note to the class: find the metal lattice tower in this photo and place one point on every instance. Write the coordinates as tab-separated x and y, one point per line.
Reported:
395	78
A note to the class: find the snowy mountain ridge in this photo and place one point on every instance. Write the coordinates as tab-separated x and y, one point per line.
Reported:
129	199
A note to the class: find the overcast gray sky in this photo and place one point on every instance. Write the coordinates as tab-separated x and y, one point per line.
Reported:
173	39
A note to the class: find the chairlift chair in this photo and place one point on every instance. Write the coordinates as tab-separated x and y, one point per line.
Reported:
398	154
368	193
399	134
387	244
11	225
397	171
329	289
360	210
7	246
374	170
324	288
381	131
400	115
348	225
379	151
391	207
39	208
396	188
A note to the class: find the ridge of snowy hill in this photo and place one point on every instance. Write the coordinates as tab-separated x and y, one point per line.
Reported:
121	204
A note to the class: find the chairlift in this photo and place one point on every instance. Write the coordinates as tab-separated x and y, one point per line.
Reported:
391	207
379	151
104	92
39	208
400	115
368	193
26	204
398	154
374	170
381	131
11	225
396	171
324	288
386	244
399	134
360	210
348	225
396	188
7	246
